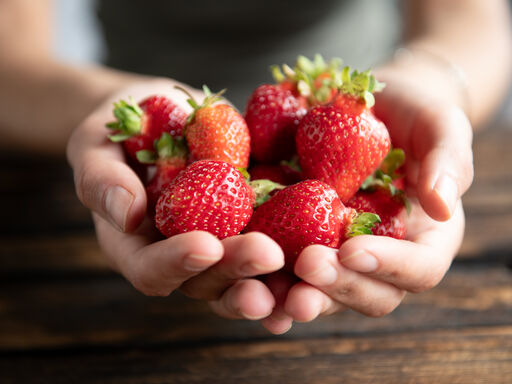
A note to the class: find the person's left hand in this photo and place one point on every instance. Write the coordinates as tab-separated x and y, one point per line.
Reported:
372	274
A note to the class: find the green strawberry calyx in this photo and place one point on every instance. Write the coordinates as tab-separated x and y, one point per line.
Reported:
293	164
209	100
306	72
262	190
166	147
128	116
360	84
362	224
383	177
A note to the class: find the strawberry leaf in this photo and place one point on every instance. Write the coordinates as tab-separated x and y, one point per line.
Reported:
360	84
128	118
168	147
145	156
119	137
262	189
362	224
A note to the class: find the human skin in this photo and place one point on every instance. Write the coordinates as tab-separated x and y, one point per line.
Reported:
425	106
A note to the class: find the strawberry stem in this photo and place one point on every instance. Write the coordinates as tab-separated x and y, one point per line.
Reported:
362	224
360	84
128	120
262	190
210	98
306	72
167	147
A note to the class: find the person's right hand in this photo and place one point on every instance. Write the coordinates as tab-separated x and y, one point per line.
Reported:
196	262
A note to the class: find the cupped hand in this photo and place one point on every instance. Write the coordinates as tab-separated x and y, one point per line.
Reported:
372	274
199	264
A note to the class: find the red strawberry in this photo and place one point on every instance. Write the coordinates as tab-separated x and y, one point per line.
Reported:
138	126
282	173
343	143
208	195
307	213
217	132
170	159
166	172
390	210
273	114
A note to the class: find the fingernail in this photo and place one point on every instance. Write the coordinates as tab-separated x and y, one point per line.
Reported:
448	191
325	275
196	263
118	202
253	317
249	269
360	261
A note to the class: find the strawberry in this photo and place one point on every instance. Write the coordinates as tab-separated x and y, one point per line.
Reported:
382	193
273	114
138	126
307	213
217	132
342	143
389	208
170	159
209	195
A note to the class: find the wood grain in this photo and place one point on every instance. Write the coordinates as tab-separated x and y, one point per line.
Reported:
472	355
85	311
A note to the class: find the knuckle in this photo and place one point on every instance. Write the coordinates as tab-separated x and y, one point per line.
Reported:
385	307
383	310
198	294
86	185
148	289
428	282
347	288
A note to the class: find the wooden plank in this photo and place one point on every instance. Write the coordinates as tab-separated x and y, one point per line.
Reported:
488	203
473	355
46	256
105	311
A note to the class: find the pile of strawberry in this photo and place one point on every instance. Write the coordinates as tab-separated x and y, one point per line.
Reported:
322	168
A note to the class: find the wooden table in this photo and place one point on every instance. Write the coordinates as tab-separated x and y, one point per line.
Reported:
65	318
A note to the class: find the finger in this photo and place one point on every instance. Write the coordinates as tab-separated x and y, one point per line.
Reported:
104	182
415	265
437	140
158	268
246	299
305	303
246	255
279	283
441	142
318	265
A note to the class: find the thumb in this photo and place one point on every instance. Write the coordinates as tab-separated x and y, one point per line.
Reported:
104	182
442	140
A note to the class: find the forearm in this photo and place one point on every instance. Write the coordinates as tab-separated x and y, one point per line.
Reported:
462	49
41	102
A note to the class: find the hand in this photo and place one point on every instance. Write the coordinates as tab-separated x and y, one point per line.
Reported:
197	262
371	274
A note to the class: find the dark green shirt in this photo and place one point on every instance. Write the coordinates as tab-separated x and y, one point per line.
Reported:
230	44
